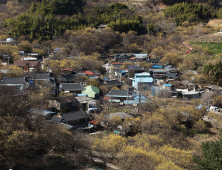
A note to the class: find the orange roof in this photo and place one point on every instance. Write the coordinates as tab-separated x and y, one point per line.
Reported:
93	122
59	115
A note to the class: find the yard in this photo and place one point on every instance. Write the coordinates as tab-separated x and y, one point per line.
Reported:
215	48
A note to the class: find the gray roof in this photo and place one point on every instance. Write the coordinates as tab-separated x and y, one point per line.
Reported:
69	77
122	115
119	92
114	83
17	80
56	119
77	115
171	75
187	83
153	60
44	76
214	87
72	87
159	70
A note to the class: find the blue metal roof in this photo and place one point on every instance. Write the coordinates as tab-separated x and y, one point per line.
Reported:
157	66
142	74
81	94
167	85
144	79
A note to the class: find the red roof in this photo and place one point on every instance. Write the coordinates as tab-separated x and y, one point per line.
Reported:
93	122
89	72
106	98
68	69
22	63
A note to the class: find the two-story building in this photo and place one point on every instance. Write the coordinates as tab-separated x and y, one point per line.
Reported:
142	80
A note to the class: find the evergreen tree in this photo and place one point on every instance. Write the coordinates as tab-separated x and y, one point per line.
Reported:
211	156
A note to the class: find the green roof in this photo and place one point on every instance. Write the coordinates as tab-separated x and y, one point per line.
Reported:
91	88
95	89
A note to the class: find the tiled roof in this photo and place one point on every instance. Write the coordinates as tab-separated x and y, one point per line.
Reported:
16	80
44	76
77	115
71	87
114	83
119	93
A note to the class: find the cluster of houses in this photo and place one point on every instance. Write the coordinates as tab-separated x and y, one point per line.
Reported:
73	103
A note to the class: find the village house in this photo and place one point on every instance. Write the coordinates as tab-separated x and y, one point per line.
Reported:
214	88
19	82
113	83
63	102
28	66
142	80
68	70
71	118
188	84
91	91
117	65
158	73
117	96
71	88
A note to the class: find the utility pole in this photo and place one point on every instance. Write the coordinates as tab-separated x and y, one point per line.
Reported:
48	59
208	102
8	59
144	46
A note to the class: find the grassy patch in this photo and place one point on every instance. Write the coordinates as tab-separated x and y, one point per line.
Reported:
192	131
215	48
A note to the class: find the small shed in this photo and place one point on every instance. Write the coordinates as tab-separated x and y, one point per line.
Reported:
167	86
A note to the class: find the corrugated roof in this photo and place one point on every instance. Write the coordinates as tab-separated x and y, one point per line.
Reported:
169	85
22	63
